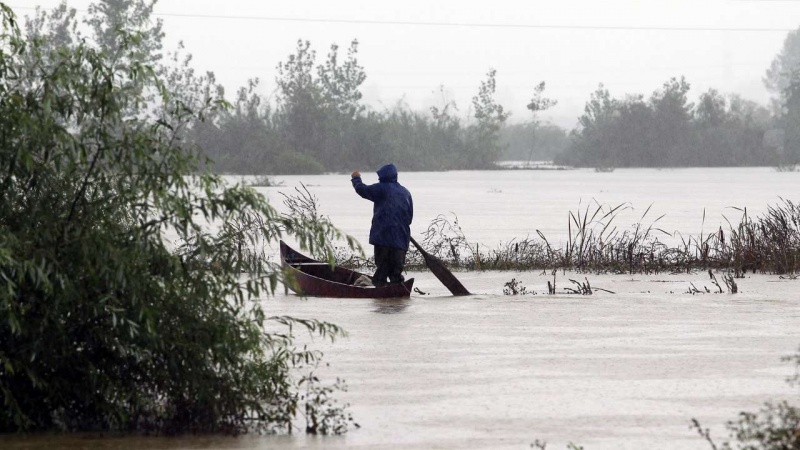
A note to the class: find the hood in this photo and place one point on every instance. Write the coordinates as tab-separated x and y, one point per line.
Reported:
387	173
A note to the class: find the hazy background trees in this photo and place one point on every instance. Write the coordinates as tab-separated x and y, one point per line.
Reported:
668	130
316	121
318	124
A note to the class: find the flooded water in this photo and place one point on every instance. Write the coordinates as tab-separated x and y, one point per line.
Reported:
495	206
627	370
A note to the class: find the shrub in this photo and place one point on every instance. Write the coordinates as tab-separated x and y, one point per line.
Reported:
104	325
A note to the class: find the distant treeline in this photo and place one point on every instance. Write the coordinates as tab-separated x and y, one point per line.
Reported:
667	130
316	122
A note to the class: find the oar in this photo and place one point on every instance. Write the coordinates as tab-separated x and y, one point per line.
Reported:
438	268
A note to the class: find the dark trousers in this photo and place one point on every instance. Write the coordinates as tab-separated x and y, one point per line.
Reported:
390	262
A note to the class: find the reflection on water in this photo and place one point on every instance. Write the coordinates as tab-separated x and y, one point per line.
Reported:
390	305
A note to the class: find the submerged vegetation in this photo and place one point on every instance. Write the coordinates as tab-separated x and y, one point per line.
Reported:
775	426
769	243
121	308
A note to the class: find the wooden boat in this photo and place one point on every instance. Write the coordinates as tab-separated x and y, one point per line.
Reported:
307	276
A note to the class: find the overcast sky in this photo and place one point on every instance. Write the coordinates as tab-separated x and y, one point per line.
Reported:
409	48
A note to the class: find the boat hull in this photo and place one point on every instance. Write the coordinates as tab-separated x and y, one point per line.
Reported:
307	276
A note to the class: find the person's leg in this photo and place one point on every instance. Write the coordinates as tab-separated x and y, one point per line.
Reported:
382	263
397	258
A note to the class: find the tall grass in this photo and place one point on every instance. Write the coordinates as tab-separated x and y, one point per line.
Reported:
769	243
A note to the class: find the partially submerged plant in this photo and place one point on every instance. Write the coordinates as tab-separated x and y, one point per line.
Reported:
774	427
767	244
515	287
264	181
584	288
323	414
542	445
304	206
445	240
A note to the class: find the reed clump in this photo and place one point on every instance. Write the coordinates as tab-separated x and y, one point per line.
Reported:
769	243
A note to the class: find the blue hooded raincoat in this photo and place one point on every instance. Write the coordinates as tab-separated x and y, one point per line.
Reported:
393	209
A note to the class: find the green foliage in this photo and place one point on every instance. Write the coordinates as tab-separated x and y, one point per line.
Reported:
339	84
711	110
322	412
776	426
538	101
773	427
104	324
667	130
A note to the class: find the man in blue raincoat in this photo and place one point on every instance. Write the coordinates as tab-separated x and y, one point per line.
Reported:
391	223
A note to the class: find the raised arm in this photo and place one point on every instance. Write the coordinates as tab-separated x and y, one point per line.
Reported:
369	192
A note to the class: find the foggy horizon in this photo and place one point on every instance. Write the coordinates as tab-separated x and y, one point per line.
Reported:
409	50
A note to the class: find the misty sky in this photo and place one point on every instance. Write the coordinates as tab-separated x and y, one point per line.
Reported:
409	48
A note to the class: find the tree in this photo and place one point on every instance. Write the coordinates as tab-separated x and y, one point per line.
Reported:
710	110
317	114
778	75
299	103
485	148
446	134
672	116
108	17
600	109
339	84
537	103
747	112
667	130
591	140
105	324
791	119
58	26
